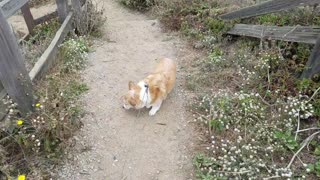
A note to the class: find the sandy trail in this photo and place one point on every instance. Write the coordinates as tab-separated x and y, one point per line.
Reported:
116	144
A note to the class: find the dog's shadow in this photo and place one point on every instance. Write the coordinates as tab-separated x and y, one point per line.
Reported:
145	111
137	112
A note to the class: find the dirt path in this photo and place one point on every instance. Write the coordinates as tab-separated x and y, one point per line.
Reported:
116	144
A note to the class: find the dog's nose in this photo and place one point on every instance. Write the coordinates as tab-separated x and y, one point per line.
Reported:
123	107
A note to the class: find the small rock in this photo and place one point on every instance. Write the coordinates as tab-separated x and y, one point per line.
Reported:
198	45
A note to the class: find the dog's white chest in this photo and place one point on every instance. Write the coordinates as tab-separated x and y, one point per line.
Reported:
145	96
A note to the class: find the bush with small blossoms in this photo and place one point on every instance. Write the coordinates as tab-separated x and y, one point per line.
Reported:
74	53
253	131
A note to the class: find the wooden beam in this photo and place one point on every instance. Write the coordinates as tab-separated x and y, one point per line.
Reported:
76	6
62	6
3	107
13	74
302	34
47	58
9	7
313	64
28	18
266	8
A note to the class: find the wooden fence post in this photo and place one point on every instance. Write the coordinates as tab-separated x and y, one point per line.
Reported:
62	6
13	74
76	6
28	18
313	64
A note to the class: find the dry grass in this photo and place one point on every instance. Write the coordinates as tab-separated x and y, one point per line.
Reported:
91	20
37	3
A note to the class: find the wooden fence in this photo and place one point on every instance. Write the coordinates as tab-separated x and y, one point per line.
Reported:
301	34
14	78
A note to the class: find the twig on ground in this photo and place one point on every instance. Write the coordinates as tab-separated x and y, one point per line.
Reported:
308	129
305	142
298	127
315	93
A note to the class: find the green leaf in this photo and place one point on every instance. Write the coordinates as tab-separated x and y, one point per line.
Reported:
311	167
317	151
317	168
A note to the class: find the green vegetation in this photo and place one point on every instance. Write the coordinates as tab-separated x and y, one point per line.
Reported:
39	139
140	5
31	146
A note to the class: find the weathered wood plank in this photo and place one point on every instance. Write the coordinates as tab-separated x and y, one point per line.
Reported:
3	107
46	17
28	18
266	7
62	6
313	64
302	34
76	6
47	58
9	7
13	74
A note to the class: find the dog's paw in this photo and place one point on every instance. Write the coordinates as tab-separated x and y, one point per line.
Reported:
152	113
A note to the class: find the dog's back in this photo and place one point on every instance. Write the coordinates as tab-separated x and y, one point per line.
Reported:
167	68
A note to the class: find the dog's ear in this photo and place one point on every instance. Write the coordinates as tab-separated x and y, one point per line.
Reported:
131	84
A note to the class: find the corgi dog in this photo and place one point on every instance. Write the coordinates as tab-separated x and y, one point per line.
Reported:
152	90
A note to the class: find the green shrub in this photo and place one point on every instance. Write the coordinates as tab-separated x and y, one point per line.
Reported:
140	5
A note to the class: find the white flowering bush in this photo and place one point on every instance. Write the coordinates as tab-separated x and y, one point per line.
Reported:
255	136
91	19
259	130
74	54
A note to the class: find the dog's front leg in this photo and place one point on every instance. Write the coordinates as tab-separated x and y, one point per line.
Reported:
155	107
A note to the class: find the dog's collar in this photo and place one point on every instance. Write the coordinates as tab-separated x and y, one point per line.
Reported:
146	93
147	89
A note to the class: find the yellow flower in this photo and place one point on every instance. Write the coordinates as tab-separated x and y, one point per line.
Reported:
38	105
21	177
20	122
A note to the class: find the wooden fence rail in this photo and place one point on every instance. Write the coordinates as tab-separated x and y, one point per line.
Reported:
47	58
313	64
266	8
9	7
301	34
14	78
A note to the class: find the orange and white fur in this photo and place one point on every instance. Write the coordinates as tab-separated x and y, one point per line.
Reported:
151	91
